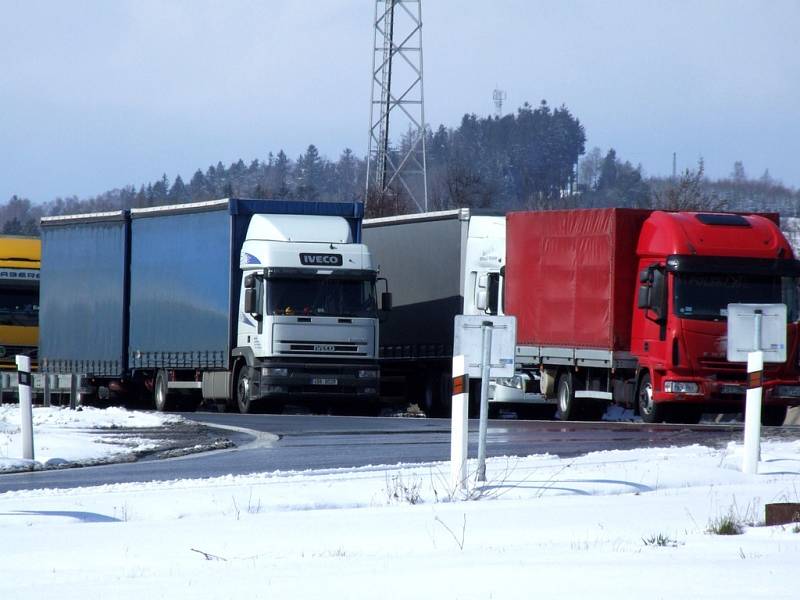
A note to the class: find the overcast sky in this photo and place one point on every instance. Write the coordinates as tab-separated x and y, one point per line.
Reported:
96	94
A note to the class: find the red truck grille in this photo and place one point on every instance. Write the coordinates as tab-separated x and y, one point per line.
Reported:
732	371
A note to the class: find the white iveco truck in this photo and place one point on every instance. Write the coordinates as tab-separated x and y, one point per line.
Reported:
240	301
308	292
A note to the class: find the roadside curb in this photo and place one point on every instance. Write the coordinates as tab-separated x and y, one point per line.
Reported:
261	439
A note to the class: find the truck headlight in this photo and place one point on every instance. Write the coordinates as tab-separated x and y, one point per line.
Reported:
681	387
368	373
512	382
275	372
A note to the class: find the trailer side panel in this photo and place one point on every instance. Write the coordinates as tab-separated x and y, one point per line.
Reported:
181	290
570	276
422	261
83	295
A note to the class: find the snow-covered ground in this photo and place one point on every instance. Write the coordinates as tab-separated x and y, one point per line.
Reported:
624	524
63	436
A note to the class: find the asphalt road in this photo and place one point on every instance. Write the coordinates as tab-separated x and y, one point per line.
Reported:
328	442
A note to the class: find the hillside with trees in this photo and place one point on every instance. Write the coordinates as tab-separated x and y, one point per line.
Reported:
532	159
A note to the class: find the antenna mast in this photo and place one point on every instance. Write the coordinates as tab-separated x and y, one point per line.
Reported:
499	96
397	65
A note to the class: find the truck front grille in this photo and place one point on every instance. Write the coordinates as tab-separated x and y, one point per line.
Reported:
320	347
732	371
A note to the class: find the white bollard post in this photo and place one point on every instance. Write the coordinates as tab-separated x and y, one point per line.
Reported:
459	429
752	412
25	405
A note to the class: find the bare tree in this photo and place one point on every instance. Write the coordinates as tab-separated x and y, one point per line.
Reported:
690	193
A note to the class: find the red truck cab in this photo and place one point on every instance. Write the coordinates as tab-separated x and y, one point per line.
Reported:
691	266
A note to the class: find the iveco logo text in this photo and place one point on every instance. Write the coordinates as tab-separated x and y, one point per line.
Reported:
324	348
325	260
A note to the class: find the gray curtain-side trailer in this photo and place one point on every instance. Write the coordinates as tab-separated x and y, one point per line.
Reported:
437	264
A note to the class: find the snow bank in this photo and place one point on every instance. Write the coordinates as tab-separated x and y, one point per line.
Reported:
542	526
63	436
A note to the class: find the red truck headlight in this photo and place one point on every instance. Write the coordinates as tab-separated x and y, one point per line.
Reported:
681	387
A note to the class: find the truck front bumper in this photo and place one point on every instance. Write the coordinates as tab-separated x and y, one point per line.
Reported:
730	393
280	379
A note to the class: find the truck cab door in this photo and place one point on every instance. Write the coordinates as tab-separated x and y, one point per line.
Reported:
649	331
251	310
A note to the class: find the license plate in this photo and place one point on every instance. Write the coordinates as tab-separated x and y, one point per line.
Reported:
324	381
732	389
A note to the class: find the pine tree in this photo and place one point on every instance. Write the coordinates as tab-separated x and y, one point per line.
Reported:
309	174
280	173
178	192
198	187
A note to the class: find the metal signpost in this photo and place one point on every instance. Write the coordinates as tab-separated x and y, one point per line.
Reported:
756	334
486	344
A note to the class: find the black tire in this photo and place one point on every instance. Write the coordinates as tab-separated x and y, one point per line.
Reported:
161	396
773	416
565	395
244	400
649	410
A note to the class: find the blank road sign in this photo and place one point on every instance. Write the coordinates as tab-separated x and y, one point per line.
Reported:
742	331
469	343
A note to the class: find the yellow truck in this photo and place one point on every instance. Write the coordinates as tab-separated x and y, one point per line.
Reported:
19	298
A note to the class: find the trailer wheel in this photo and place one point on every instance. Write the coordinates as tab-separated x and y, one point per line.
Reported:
565	394
244	398
649	410
161	392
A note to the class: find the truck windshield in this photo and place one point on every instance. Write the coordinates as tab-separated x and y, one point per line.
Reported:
19	306
706	296
322	297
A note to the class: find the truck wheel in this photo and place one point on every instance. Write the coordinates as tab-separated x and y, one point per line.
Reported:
161	392
244	399
649	410
565	393
773	416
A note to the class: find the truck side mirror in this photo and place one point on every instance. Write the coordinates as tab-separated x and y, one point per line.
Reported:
481	302
249	282
493	300
645	277
658	296
644	296
251	302
386	301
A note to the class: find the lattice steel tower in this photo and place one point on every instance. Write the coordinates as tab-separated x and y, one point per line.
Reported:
397	98
499	96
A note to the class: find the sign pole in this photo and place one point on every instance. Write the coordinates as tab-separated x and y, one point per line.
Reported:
459	429
486	363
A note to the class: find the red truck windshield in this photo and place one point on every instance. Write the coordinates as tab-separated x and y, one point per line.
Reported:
706	296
